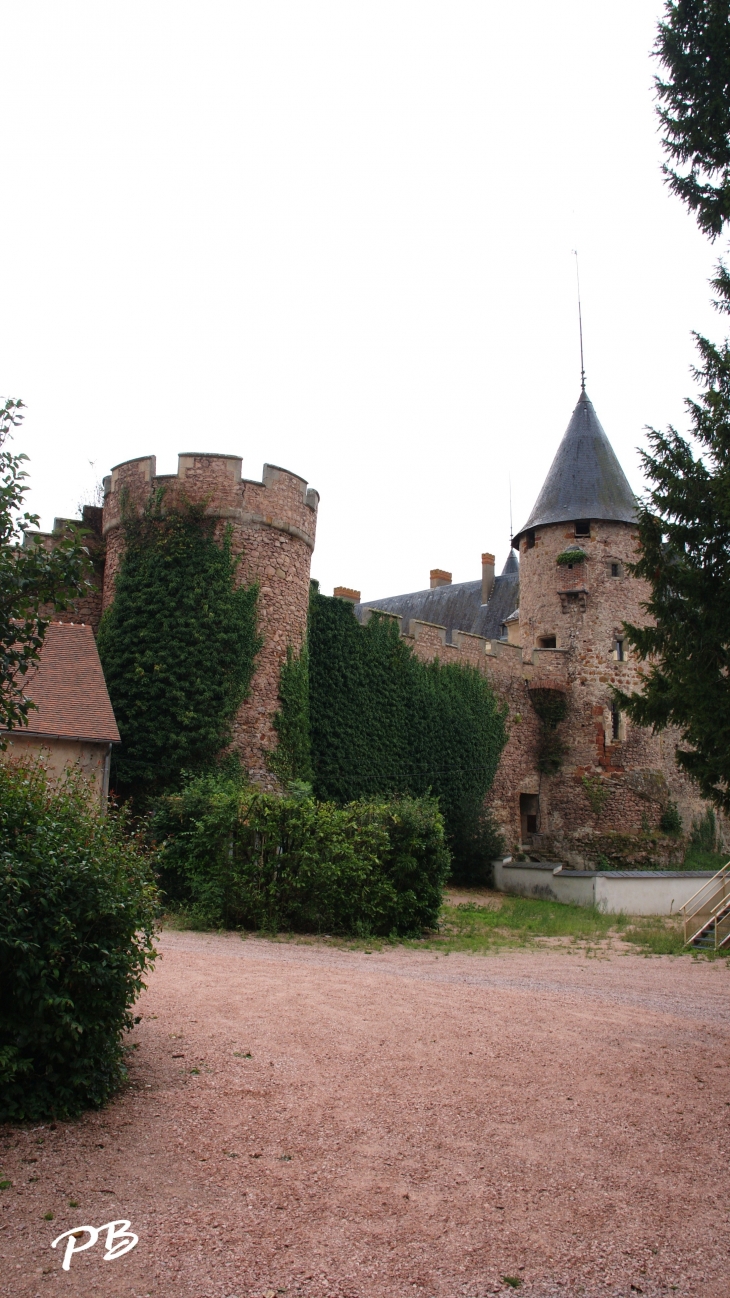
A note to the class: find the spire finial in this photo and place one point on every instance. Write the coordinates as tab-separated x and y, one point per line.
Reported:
580	328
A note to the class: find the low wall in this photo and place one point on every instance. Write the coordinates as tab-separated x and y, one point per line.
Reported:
633	892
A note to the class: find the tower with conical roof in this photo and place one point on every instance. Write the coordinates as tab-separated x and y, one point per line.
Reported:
603	776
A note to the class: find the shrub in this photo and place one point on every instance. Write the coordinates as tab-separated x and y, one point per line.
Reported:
671	821
77	907
239	857
704	832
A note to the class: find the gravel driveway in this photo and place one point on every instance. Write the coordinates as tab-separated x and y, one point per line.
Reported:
310	1121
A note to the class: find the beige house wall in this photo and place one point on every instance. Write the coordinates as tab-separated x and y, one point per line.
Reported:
61	755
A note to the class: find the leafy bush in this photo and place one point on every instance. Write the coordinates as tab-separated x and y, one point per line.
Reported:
671	821
238	857
77	909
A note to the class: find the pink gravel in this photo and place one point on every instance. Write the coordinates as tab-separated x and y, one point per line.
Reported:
407	1123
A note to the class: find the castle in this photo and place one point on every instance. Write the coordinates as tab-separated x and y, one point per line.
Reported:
550	628
547	632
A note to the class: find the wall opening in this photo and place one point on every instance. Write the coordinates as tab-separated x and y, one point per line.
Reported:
547	642
618	650
615	722
582	527
529	815
615	570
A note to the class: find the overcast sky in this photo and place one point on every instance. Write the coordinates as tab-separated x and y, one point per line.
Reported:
338	237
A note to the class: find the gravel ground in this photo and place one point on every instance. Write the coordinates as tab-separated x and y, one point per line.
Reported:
313	1121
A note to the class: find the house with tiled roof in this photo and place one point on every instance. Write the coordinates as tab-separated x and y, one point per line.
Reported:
72	723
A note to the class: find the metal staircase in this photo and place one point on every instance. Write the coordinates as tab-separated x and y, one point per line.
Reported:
706	915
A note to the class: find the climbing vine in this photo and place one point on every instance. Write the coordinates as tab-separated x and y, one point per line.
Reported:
383	722
291	760
177	645
551	707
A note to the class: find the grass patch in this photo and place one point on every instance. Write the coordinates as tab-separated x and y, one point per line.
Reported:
699	859
498	922
517	921
657	936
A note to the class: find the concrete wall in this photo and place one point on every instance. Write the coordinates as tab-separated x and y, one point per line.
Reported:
633	892
60	755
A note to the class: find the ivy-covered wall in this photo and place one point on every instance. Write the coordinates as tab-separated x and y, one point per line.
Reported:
382	722
177	645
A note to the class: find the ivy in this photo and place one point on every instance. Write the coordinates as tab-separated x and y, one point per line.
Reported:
551	707
571	556
291	761
382	722
177	645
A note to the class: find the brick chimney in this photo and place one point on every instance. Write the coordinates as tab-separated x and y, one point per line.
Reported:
344	592
439	578
487	577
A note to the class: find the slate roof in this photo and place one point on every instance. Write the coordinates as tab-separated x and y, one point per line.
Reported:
585	478
458	607
69	688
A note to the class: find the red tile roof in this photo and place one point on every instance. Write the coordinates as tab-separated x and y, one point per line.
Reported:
69	688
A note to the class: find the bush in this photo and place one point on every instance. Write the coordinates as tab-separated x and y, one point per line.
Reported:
77	908
238	857
671	821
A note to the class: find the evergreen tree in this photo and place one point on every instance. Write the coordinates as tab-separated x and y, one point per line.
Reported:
684	532
684	523
693	46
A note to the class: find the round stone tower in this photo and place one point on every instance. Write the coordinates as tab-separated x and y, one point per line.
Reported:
576	593
273	524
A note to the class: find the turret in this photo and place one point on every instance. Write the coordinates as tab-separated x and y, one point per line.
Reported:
273	524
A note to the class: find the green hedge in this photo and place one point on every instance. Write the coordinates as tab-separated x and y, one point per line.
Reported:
77	914
382	722
236	857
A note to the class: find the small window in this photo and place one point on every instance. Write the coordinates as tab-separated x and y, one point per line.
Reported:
618	650
615	570
503	631
547	642
583	527
615	722
529	540
529	814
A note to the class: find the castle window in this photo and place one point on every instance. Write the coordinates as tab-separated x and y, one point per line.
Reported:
547	642
615	723
615	570
618	650
529	540
583	527
529	815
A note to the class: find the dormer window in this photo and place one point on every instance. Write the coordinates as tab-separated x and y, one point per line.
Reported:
583	527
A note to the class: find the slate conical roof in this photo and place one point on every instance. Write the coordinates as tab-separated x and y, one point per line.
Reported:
585	478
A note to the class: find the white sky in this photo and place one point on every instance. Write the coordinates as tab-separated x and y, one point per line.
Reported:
337	237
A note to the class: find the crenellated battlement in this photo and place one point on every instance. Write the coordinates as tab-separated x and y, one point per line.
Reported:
281	500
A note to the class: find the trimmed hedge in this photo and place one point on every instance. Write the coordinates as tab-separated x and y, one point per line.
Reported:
236	857
77	915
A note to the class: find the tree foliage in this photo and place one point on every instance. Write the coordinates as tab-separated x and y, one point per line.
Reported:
34	582
693	46
77	916
383	722
684	533
177	645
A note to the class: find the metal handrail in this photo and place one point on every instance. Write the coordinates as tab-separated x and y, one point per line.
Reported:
706	914
723	874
